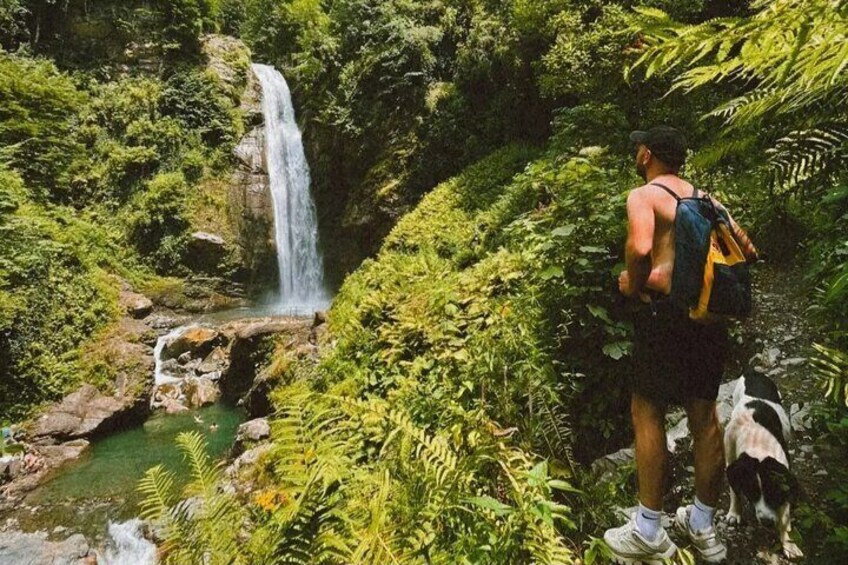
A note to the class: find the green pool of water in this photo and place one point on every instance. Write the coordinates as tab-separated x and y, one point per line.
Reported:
84	495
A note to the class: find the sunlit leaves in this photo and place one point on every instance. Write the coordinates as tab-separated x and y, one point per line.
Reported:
789	57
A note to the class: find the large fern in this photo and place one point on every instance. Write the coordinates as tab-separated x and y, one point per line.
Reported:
789	58
358	481
201	524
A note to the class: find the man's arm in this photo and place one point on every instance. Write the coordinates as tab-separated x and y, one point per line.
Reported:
745	243
640	241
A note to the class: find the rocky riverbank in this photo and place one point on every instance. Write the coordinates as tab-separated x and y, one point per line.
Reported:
205	362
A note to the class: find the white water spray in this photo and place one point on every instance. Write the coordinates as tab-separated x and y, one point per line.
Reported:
301	267
160	376
127	545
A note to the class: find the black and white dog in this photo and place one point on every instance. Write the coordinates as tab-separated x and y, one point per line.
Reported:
755	447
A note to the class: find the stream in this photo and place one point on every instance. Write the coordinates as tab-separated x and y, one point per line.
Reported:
95	494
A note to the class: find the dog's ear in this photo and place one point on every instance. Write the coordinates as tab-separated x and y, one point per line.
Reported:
742	476
779	485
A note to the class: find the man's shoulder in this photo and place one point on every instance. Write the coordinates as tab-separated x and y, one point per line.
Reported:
647	192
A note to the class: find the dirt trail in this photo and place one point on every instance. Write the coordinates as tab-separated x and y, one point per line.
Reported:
776	340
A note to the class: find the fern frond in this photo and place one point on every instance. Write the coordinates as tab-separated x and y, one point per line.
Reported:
832	368
817	153
553	424
157	488
204	473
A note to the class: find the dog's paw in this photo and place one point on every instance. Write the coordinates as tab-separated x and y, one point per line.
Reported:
733	518
792	551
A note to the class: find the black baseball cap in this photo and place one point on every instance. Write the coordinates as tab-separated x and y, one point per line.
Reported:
666	142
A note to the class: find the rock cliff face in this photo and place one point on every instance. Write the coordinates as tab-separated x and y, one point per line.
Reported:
250	208
251	211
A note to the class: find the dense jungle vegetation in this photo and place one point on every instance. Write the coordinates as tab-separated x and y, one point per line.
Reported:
475	154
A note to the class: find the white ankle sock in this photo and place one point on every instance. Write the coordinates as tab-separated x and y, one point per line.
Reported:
648	522
701	516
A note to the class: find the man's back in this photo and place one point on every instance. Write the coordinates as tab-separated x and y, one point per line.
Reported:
652	200
652	211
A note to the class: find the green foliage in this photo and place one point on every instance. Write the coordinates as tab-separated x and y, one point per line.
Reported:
157	220
12	25
192	530
588	53
37	104
53	297
406	502
185	20
832	368
197	101
10	448
134	128
793	52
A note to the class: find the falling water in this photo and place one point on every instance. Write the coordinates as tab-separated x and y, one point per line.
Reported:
299	261
127	545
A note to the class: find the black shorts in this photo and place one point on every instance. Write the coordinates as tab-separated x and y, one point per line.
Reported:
676	359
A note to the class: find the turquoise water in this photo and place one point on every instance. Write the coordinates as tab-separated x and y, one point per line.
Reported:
100	486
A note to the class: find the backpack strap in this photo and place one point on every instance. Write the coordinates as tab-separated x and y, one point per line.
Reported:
667	189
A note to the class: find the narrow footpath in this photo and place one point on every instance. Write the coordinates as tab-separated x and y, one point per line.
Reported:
777	341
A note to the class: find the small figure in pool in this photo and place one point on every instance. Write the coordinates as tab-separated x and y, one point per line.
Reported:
213	427
198	419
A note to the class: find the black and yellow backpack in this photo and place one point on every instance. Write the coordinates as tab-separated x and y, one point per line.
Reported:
711	277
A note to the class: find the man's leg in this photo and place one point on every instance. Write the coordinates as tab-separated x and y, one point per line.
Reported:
644	538
649	428
696	520
709	449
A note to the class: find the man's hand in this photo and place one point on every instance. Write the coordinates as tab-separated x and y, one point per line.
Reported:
624	284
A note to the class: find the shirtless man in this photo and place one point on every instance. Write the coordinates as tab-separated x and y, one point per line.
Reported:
675	361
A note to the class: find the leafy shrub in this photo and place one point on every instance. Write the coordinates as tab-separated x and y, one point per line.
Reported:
12	22
157	220
52	299
588	53
185	20
37	104
197	101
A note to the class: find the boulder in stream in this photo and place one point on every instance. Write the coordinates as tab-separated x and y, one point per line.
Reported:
197	341
22	548
215	362
136	305
83	413
200	391
254	430
172	406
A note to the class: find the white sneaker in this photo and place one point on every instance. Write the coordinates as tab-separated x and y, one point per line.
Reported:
629	546
705	542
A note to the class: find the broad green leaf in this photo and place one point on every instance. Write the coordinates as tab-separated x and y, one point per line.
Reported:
551	272
564	231
489	503
592	249
617	349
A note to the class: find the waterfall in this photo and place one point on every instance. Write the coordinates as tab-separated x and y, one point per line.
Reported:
160	375
299	261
